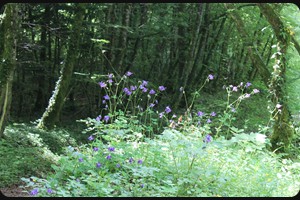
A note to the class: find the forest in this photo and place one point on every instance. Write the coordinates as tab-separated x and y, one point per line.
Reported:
149	100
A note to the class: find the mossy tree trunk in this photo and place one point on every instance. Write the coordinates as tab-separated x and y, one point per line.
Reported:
11	26
56	102
283	129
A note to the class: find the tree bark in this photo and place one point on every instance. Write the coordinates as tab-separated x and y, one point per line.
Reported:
56	102
283	129
7	66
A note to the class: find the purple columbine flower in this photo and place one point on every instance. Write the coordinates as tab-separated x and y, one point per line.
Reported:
98	165
80	159
210	77
106	97
95	148
106	118
132	88
168	109
152	91
110	76
200	113
247	95
145	89
34	192
102	84
49	191
110	81
151	105
127	91
140	161
208	121
161	114
162	88
234	89
248	84
90	138
98	118
144	83
142	185
118	165
111	149
108	157
131	160
128	73
207	138
255	91
213	114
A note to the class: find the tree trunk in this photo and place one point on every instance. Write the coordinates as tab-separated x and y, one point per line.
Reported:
283	129
56	102
11	26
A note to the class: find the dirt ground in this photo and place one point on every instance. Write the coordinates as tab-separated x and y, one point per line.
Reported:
13	191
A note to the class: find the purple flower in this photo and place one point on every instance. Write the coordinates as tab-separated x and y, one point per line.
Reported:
210	77
139	161
110	76
168	109
102	84
127	91
200	114
98	118
247	95
103	102
118	165
111	149
142	185
49	191
248	84
110	81
108	157
131	160
128	73
256	91
234	89
233	110
213	114
152	91
90	138
95	148
151	105
161	88
98	165
144	83
278	106
207	138
161	114
106	97
208	121
34	192
80	159
132	88
106	118
145	89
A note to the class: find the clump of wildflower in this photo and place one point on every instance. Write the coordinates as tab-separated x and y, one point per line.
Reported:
140	161
110	76
108	157
234	89
34	192
207	138
98	118
210	77
132	88
95	148
131	160
248	84
208	121
127	91
49	191
144	83
213	114
152	91
161	114
200	113
247	95
106	97
151	105
110	81
255	91
118	165
80	159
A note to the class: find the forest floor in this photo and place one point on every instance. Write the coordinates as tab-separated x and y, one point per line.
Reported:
13	191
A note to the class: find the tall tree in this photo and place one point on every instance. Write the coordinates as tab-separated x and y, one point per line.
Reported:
283	129
56	102
11	26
